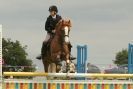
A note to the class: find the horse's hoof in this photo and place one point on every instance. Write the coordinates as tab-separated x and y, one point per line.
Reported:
67	69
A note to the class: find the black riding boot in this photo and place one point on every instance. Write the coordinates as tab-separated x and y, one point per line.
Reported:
43	51
71	57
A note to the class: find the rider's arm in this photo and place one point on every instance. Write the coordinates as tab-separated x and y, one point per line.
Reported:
59	18
47	25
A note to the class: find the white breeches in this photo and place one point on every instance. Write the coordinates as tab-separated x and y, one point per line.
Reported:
47	37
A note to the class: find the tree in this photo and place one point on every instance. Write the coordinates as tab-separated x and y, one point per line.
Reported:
121	57
14	54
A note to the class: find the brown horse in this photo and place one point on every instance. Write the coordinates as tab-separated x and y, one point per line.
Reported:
58	48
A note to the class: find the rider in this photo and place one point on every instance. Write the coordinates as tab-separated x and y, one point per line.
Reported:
50	24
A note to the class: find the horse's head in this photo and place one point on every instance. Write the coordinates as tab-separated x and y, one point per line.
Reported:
63	29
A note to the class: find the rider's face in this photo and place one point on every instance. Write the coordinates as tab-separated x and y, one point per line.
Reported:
52	13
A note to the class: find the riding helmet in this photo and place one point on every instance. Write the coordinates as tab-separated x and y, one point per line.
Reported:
53	8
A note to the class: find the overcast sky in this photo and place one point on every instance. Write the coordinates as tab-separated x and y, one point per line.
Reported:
106	26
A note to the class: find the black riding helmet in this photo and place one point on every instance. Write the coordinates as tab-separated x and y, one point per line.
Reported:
53	8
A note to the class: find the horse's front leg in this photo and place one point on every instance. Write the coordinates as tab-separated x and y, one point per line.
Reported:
45	64
67	63
56	58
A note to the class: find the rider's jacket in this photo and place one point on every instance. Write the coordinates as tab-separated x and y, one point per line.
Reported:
51	23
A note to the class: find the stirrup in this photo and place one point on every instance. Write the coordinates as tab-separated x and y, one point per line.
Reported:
72	58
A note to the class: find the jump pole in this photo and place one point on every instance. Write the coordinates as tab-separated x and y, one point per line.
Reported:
67	84
88	75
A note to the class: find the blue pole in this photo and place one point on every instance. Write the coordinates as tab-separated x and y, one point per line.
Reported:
81	58
130	58
78	58
85	56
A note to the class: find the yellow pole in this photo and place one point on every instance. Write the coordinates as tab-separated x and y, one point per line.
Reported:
87	75
24	74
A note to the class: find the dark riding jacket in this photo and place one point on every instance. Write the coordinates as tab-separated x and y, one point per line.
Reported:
51	23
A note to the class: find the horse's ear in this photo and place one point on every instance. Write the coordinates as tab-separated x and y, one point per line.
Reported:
69	22
62	21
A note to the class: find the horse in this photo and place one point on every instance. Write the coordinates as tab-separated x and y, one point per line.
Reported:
58	48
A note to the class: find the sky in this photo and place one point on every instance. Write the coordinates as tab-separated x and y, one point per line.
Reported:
105	26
